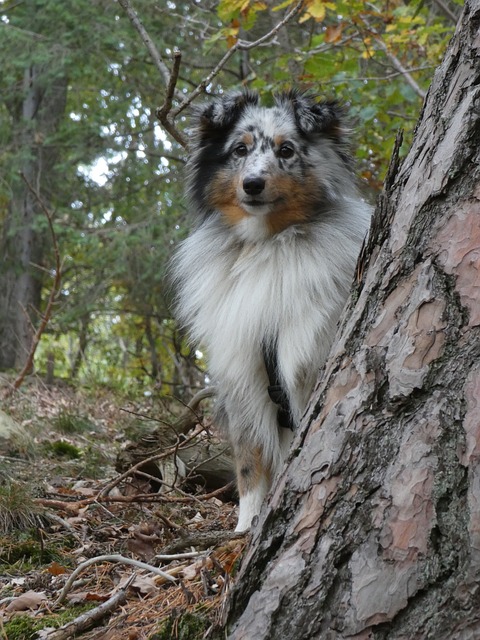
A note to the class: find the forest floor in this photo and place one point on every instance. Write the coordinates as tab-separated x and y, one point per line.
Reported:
87	551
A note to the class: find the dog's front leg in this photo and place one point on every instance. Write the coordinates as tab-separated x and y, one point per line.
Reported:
254	478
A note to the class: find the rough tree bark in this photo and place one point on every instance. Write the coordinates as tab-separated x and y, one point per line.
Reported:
373	531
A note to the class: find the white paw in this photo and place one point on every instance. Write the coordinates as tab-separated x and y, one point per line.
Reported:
250	505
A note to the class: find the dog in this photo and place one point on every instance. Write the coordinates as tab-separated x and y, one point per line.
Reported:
262	279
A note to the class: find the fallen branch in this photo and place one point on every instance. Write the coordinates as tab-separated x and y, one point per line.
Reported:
74	506
203	540
110	558
168	557
159	456
90	618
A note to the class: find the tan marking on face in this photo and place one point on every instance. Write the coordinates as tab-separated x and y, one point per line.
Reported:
278	140
251	470
296	200
247	139
223	197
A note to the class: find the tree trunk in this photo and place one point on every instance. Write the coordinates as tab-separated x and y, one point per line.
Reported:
82	345
35	117
373	531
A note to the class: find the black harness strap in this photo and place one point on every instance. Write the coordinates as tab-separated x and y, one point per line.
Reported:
276	391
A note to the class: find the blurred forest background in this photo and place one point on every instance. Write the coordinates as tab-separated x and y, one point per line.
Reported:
80	141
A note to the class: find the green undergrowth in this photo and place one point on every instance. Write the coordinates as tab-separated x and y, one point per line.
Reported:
18	512
24	627
62	449
26	553
189	626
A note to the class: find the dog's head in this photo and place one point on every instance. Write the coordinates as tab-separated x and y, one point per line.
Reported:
268	168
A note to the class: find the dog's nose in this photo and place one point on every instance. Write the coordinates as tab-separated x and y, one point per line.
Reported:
253	186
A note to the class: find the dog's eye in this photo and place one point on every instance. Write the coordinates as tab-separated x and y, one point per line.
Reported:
240	150
286	151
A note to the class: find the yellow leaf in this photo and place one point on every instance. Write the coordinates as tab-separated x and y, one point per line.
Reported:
317	10
282	5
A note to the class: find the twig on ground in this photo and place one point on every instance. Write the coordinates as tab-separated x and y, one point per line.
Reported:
110	558
159	456
168	557
74	506
66	525
203	540
89	618
184	422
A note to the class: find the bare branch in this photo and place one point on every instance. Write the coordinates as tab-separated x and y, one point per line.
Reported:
395	61
240	45
169	79
74	506
152	49
164	113
446	11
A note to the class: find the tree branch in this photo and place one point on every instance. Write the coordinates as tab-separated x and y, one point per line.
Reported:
89	618
152	49
446	11
169	79
396	64
164	113
240	45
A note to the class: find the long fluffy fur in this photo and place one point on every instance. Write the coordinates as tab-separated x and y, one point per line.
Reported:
267	265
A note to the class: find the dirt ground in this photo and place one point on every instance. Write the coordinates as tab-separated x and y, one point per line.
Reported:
93	548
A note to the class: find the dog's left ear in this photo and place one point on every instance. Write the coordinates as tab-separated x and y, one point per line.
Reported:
222	112
327	117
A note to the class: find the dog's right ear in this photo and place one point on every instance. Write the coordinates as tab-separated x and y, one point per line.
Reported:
222	113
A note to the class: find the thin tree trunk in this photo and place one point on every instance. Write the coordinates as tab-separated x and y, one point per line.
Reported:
373	531
155	371
22	246
82	345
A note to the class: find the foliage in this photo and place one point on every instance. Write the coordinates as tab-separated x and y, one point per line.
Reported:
116	188
24	627
62	449
17	509
188	626
69	422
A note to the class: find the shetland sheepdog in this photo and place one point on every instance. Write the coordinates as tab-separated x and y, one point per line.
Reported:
263	278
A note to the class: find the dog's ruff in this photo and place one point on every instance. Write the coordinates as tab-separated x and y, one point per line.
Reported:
270	263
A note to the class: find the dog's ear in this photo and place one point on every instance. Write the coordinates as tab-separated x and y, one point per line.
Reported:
311	116
223	112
